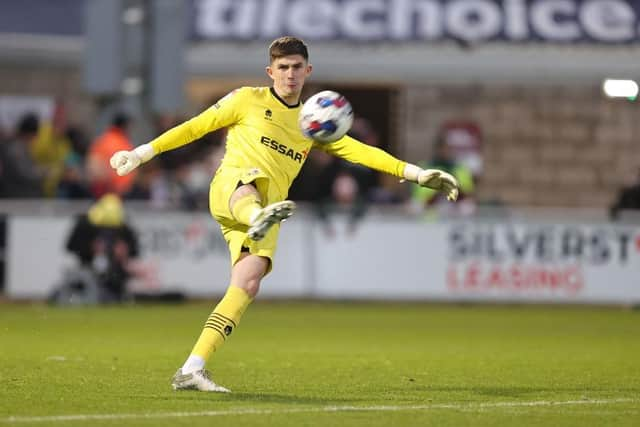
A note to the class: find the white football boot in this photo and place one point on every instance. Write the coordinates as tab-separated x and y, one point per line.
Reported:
197	380
268	216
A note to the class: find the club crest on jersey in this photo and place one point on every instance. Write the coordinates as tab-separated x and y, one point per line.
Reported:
267	114
283	149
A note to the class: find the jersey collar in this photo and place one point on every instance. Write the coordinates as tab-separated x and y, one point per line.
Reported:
282	101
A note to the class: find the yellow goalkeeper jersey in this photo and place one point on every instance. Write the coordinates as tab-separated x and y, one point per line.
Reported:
263	133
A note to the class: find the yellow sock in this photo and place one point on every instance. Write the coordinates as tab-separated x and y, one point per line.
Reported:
222	321
244	208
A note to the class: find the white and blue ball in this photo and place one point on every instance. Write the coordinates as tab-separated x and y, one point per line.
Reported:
326	116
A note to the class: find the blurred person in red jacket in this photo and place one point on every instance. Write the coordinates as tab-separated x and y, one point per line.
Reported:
103	179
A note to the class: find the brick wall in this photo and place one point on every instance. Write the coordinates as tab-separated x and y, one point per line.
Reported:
543	146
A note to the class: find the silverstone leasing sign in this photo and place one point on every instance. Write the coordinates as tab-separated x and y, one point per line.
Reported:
543	260
469	21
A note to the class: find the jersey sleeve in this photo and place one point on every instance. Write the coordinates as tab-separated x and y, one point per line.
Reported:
224	113
355	151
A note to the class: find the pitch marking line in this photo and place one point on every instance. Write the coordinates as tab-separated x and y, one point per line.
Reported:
276	411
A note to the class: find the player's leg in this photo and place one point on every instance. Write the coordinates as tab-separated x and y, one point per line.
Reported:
246	275
227	196
245	205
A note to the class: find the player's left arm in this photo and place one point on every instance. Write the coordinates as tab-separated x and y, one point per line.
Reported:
355	151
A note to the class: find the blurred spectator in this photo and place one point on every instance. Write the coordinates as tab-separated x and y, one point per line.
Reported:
367	179
51	148
628	199
434	203
102	178
73	180
193	180
181	177
338	189
20	175
153	184
105	246
344	186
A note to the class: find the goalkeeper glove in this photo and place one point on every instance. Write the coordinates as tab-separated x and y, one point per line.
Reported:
433	178
126	161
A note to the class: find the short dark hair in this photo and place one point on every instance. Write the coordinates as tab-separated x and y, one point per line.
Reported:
287	45
120	119
28	124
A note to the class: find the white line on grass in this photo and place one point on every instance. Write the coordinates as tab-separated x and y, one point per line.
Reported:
275	411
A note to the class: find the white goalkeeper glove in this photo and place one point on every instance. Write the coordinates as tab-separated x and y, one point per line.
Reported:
126	161
433	178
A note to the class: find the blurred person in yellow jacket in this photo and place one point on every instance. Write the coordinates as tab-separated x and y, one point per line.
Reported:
51	147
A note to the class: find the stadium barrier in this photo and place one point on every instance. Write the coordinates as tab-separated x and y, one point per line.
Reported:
388	257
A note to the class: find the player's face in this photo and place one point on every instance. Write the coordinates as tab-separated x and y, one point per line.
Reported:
288	74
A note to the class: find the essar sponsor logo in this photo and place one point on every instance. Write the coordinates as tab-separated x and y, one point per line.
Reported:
283	149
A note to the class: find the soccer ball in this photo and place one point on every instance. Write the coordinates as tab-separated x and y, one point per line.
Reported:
326	117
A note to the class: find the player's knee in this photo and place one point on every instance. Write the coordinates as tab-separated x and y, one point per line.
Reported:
243	191
251	287
252	282
248	272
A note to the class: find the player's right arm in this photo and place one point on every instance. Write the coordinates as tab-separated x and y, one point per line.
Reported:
223	113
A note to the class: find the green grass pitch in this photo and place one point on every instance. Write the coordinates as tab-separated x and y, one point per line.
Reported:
326	364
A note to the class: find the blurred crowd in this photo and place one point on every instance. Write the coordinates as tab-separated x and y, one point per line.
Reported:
55	158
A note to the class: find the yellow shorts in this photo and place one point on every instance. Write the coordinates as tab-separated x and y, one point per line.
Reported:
222	187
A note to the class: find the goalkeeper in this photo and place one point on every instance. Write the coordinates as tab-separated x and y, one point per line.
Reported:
265	151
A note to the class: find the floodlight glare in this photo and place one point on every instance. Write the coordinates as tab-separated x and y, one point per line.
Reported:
620	88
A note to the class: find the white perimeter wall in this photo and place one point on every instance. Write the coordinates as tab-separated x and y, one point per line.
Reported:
386	258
